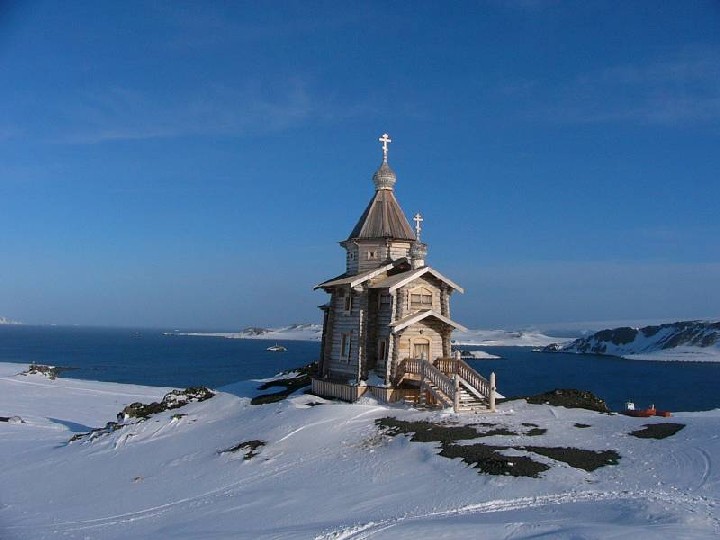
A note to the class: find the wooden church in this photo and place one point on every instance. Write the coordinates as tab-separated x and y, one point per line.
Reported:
387	326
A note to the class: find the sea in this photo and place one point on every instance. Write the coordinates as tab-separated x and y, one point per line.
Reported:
162	357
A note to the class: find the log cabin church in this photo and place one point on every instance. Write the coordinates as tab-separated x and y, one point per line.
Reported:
387	326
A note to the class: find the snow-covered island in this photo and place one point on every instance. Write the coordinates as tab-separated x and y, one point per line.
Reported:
313	332
503	338
308	468
5	320
685	341
293	332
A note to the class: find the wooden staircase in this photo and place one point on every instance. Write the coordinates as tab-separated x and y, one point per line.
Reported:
451	382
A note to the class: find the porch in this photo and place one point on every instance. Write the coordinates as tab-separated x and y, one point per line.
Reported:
446	382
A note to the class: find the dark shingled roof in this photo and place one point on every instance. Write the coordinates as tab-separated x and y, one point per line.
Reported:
383	218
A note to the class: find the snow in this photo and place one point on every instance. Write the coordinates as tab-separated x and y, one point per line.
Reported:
326	472
504	338
684	341
294	332
5	320
482	355
313	332
680	354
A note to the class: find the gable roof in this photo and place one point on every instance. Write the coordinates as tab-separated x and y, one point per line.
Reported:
356	279
403	323
383	218
398	280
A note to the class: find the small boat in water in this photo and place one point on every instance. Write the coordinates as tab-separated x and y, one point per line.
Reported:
630	410
276	348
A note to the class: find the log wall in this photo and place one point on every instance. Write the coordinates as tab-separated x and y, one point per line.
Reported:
351	393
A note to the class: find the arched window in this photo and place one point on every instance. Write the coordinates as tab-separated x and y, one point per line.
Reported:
421	298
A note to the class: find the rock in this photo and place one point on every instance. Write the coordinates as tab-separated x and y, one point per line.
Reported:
171	400
570	398
51	372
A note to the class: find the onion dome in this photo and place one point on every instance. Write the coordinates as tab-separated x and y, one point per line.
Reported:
383	217
384	177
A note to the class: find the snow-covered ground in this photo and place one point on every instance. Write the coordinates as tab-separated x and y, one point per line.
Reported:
325	471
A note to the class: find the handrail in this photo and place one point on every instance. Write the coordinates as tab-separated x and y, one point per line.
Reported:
454	366
477	381
442	374
443	383
428	372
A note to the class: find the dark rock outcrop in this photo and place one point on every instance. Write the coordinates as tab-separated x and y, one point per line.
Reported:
171	400
571	399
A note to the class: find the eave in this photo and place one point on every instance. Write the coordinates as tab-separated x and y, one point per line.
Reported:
400	280
402	324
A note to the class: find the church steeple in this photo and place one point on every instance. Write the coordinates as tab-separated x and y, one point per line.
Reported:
383	218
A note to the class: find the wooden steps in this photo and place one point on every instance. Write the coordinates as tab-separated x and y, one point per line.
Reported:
451	383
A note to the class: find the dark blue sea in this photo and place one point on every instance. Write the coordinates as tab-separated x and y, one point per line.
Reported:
151	357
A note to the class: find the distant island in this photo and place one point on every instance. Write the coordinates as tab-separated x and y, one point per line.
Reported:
683	341
5	320
293	332
313	332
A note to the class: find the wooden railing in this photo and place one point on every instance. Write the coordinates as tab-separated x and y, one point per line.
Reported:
452	366
345	392
430	373
442	379
352	393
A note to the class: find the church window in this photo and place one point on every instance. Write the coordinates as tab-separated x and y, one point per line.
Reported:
345	347
382	350
351	256
421	349
372	255
421	299
348	303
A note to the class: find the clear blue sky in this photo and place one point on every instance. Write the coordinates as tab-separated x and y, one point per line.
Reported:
194	164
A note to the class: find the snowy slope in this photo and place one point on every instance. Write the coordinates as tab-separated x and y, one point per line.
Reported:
326	472
5	320
697	341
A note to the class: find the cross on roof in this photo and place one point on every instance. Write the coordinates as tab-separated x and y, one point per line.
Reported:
418	219
385	139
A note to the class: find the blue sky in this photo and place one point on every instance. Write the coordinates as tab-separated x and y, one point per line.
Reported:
194	164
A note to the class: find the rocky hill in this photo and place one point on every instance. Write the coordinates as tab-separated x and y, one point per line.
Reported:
685	340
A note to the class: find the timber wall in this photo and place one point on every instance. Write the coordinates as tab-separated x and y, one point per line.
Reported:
351	394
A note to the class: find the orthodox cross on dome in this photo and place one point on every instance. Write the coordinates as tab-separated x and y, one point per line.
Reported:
418	219
385	139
